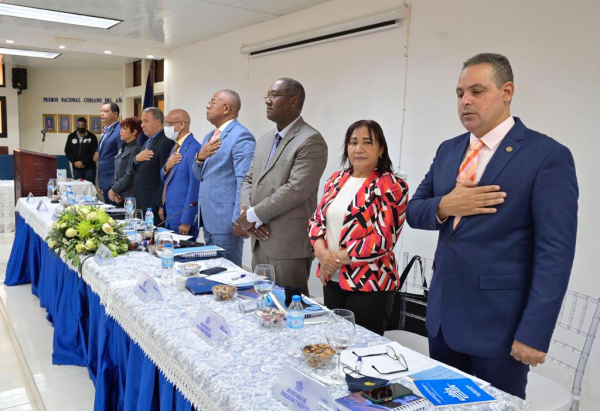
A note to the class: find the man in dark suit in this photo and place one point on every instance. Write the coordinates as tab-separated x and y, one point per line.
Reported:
80	149
279	192
147	187
110	143
504	200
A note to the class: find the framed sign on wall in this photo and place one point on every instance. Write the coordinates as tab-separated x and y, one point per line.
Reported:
49	123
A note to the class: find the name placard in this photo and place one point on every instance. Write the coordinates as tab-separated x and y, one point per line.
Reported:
104	256
147	289
30	197
298	391
57	212
210	326
42	206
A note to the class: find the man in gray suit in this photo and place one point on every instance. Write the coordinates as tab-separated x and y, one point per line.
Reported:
279	192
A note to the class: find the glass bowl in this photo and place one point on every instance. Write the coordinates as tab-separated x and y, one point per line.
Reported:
224	292
188	269
318	355
270	317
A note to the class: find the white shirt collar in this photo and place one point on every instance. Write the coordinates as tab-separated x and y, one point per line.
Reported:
286	130
493	138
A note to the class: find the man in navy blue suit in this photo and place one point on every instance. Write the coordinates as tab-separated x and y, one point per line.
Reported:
180	188
109	145
504	200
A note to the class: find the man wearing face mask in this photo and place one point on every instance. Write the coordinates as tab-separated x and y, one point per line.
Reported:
180	188
80	148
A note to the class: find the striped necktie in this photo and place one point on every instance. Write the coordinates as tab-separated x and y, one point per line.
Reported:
169	175
278	139
468	168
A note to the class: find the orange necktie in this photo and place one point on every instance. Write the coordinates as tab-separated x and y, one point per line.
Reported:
468	168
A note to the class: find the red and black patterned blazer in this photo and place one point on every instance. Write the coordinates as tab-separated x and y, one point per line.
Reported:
371	227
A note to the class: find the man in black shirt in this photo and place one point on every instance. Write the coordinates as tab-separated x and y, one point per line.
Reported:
80	148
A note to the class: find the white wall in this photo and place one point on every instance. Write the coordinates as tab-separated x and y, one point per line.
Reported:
195	72
553	47
12	111
101	83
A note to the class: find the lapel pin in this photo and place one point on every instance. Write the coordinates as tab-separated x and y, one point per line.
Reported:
509	149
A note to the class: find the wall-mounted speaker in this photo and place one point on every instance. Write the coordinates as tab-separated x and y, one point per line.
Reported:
19	78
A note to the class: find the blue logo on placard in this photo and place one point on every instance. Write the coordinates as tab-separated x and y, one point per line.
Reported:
299	386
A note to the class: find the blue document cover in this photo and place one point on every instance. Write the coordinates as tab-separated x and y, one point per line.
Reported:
444	393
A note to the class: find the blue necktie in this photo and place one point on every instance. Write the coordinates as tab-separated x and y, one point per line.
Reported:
275	144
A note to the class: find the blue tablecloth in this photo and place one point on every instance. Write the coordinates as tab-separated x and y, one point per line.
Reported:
125	379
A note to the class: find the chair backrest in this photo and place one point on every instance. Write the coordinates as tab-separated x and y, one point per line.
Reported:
574	336
414	290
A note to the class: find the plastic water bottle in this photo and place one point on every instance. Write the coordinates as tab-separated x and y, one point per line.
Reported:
128	208
50	190
149	219
167	258
70	196
295	325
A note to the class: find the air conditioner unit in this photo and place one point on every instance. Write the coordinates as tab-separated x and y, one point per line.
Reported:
368	24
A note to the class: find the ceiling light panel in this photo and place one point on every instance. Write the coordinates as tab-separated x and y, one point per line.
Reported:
29	53
11	10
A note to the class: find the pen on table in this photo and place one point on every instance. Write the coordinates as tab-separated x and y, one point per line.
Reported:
238	277
359	363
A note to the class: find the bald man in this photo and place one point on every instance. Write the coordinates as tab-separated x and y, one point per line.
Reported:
220	167
180	188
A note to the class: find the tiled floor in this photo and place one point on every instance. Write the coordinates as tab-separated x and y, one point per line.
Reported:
28	380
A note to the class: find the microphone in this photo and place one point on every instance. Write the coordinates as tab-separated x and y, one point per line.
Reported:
194	204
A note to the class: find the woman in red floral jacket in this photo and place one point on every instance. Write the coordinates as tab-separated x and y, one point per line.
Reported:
355	228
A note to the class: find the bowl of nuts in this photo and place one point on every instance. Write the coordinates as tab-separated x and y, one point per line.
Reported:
223	292
318	355
270	317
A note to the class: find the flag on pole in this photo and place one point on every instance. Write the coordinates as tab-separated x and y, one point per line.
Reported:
148	99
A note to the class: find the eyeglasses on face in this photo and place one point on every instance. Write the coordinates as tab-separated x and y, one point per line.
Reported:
174	123
272	96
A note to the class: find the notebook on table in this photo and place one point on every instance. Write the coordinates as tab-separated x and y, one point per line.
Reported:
197	253
356	402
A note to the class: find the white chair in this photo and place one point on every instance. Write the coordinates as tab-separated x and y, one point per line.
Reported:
571	343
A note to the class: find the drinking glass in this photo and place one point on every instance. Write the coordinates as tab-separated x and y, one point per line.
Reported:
136	218
265	281
162	239
52	184
340	331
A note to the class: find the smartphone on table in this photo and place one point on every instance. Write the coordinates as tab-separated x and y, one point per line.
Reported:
386	393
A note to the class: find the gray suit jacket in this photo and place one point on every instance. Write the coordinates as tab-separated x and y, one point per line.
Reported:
122	183
284	193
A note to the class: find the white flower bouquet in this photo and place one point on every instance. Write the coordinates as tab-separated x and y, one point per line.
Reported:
81	230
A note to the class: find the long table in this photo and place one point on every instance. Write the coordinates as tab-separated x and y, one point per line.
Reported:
145	355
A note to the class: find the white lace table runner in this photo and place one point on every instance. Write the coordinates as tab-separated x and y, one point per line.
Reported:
238	375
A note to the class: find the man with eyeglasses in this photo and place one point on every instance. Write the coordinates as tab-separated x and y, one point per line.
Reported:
279	193
180	188
220	167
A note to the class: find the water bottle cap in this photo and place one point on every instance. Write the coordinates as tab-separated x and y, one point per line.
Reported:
168	245
296	298
149	209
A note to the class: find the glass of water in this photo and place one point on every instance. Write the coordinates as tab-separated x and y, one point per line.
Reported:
265	280
340	333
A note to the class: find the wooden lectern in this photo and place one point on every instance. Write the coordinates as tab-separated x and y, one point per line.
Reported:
32	171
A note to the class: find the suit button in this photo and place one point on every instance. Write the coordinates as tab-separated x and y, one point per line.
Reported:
201	179
451	240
